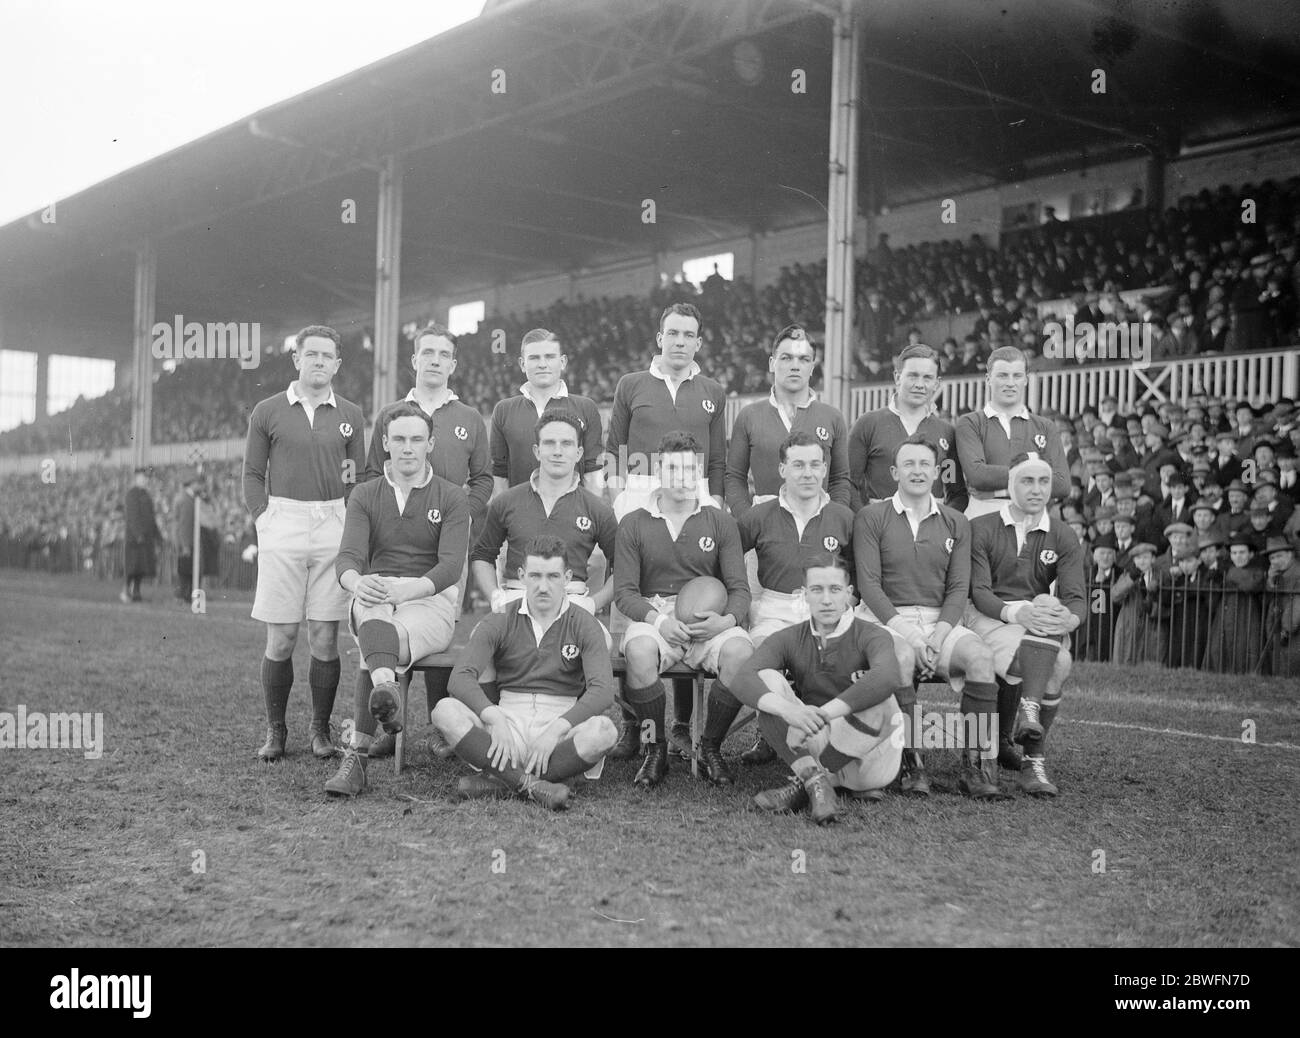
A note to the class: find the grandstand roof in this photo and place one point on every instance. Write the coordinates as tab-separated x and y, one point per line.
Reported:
609	102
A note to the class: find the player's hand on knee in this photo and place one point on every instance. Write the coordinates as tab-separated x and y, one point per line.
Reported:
371	590
539	756
674	632
505	750
805	719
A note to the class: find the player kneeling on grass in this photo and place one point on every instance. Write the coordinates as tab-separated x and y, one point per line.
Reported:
659	549
402	555
1017	554
836	721
552	668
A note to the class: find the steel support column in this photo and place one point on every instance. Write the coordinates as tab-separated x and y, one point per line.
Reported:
841	208
388	282
146	288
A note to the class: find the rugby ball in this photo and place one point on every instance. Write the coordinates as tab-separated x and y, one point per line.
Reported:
700	595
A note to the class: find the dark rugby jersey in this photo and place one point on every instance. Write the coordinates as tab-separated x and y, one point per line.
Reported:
896	569
856	664
571	660
460	453
986	452
287	456
756	439
644	410
770	529
872	442
1001	573
579	518
514	421
428	538
648	562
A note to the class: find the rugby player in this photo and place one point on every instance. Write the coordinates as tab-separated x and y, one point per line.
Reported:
989	438
551	501
913	562
761	428
835	721
658	549
304	451
1017	554
553	672
514	420
910	411
401	559
802	516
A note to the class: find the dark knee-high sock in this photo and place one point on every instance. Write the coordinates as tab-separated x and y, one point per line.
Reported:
474	749
979	702
776	731
324	680
648	704
362	719
566	761
723	708
911	711
380	646
1008	704
277	683
1037	660
629	715
683	700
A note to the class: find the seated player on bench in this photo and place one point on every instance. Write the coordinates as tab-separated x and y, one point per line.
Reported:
1017	554
553	671
835	719
401	558
553	501
658	550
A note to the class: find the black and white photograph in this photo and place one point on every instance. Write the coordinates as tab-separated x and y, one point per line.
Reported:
764	474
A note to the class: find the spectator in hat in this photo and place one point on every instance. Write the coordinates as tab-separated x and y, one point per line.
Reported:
1277	508
1103	522
1186	608
142	536
1122	455
1094	639
1177	536
1237	633
1238	497
1204	517
1175	505
1288	473
1137	637
1282	622
1213	548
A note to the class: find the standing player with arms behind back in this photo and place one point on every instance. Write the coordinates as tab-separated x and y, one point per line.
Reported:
305	450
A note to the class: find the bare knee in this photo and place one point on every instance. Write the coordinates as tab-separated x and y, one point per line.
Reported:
595	737
906	660
323	637
978	661
730	658
281	639
642	656
453	718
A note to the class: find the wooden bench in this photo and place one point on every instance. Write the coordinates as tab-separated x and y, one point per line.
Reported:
439	667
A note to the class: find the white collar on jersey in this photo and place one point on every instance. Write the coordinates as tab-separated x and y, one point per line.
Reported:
654	509
658	372
893	406
1044	520
900	508
561	390
533	482
991	412
812	398
428	476
451	395
846	621
295	397
822	501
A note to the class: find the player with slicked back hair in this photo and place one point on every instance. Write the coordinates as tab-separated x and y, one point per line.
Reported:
658	550
911	411
913	560
303	457
834	719
514	420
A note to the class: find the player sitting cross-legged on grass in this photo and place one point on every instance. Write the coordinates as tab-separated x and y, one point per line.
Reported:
659	549
402	555
1017	554
553	672
825	692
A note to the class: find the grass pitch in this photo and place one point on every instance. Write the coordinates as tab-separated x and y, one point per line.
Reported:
1197	830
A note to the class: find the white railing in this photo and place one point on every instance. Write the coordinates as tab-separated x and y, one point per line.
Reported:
1257	377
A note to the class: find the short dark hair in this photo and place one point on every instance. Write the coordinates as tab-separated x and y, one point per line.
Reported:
920	351
546	546
918	440
678	441
801	438
825	560
1010	354
320	331
539	335
567	417
433	328
795	332
405	409
686	310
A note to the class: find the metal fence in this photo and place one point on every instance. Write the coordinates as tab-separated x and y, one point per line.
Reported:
1229	622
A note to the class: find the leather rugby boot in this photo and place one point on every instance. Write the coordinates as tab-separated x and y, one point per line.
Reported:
979	777
350	779
273	748
1028	727
713	768
1033	778
654	769
785	799
914	780
629	742
821	798
759	753
321	746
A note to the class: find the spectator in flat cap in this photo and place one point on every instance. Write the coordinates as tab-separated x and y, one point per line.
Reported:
1282	621
1093	639
1135	597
